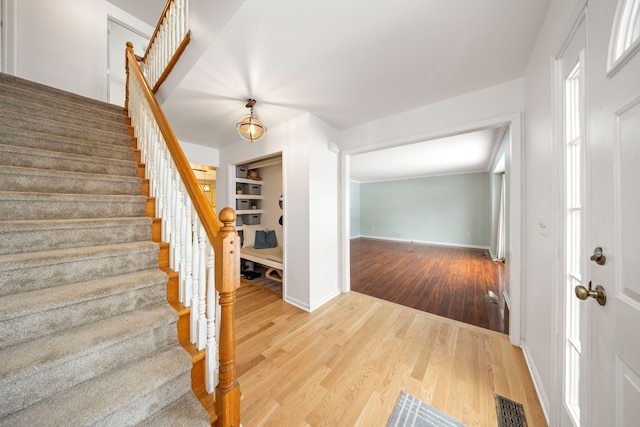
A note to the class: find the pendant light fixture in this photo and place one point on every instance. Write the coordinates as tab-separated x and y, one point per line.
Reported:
251	127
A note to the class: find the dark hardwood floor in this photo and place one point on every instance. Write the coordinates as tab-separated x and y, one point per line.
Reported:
447	281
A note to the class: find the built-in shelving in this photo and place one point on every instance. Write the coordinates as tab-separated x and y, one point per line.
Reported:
254	198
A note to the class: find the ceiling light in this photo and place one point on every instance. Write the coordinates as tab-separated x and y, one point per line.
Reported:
251	127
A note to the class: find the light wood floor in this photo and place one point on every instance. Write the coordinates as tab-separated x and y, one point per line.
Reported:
346	363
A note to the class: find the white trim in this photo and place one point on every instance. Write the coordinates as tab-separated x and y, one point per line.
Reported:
426	242
296	302
578	17
615	64
345	215
516	199
537	382
9	49
126	20
316	304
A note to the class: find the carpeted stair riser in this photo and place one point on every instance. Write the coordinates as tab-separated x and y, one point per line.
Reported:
185	411
90	120
38	270
60	144
65	96
122	397
88	338
30	206
26	122
51	364
52	181
68	107
35	236
31	315
50	160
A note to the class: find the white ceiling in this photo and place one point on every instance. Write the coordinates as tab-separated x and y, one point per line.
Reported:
348	62
465	153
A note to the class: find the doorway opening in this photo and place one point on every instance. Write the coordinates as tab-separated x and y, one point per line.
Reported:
513	209
118	34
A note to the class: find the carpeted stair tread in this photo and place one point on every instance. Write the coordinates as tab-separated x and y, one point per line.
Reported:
21	236
184	412
35	108
87	336
122	397
40	89
12	155
44	367
30	315
32	206
27	122
29	97
23	179
62	144
36	270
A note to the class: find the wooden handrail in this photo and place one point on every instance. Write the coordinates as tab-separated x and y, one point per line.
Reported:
210	222
174	60
226	245
158	25
176	55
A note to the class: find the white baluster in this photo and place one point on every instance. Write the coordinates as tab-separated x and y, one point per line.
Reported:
172	211
183	252
202	289
177	231
188	244
211	358
195	283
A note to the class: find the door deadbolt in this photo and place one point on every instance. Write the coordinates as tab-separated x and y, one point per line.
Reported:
598	294
598	256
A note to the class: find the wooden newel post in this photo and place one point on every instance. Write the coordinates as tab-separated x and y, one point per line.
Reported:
126	66
227	253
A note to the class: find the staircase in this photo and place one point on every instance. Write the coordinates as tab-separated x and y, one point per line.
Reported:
86	334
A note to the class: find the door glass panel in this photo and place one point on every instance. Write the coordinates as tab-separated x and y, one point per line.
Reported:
627	27
573	227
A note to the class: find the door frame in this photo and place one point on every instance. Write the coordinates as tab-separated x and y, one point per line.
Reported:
577	19
8	46
516	218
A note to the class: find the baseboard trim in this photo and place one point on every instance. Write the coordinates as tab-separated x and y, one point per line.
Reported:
325	300
537	382
297	303
425	242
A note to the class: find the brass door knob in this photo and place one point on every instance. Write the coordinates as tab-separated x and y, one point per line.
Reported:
598	293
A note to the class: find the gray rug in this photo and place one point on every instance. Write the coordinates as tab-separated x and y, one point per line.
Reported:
411	411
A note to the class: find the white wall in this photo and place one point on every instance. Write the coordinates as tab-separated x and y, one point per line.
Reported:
310	187
69	39
201	155
323	214
447	117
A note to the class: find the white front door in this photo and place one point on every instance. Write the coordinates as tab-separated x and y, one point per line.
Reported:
613	373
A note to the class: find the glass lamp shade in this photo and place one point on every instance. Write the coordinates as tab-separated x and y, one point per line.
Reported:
251	127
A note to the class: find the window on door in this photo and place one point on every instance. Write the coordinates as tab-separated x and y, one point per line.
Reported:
573	227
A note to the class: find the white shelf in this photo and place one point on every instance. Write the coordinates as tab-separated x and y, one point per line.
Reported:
250	211
250	196
248	181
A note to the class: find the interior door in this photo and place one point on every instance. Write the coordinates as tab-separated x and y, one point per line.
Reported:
613	379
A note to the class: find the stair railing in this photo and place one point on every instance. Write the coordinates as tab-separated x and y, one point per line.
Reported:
203	250
169	40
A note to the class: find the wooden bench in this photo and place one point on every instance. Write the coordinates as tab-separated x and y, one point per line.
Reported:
271	258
